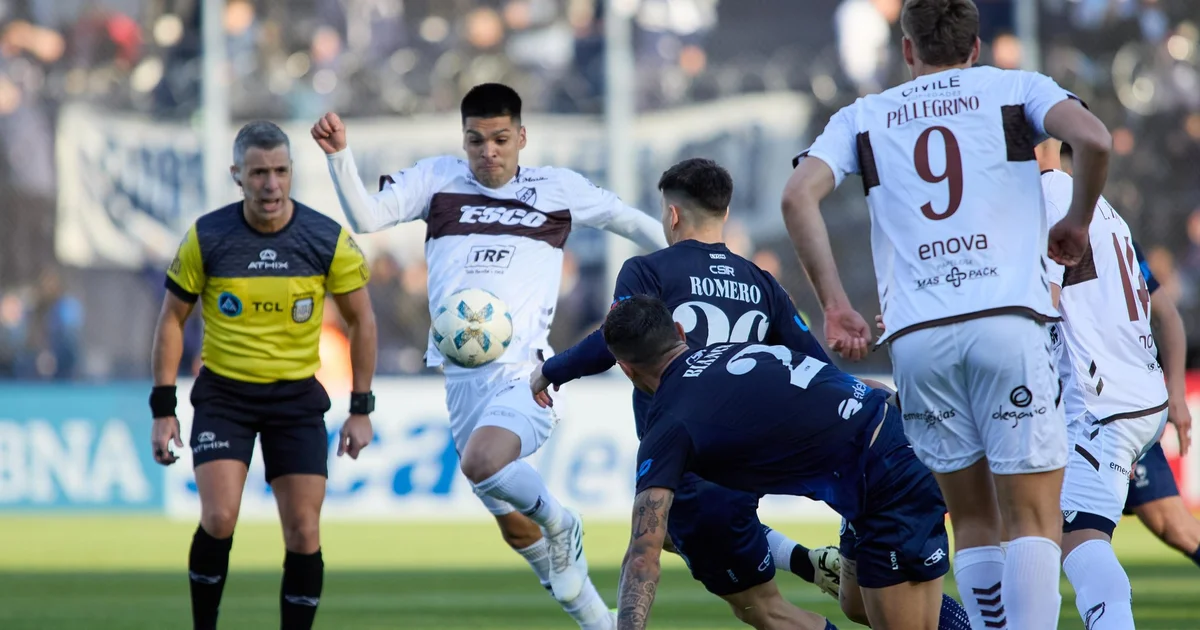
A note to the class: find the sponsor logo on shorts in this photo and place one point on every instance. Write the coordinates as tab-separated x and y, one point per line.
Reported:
930	416
937	556
732	575
895	560
1069	515
207	441
765	564
302	310
1021	398
1141	476
206	436
1119	468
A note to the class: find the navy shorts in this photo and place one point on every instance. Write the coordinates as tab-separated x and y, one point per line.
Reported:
288	415
900	534
1152	480
717	532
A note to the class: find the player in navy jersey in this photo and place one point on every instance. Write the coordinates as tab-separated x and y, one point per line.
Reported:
718	296
770	420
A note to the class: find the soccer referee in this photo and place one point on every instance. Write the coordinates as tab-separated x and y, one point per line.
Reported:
260	269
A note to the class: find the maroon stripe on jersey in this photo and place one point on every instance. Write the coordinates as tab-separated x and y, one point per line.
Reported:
1018	133
1082	272
457	214
866	161
384	180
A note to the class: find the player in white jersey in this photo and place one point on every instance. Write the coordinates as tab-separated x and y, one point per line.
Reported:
494	225
958	234
1114	395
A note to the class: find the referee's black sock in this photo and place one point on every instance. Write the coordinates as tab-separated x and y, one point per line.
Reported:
1196	556
208	564
303	577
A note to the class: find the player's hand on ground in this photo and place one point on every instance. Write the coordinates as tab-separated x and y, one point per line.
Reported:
538	384
847	333
330	133
1179	415
165	431
356	434
1068	241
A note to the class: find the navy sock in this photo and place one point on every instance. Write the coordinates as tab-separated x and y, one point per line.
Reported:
801	565
303	578
1196	556
208	564
829	625
953	616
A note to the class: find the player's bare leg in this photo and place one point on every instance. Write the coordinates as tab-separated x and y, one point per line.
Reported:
1169	519
978	559
764	608
220	485
299	498
951	615
1031	509
906	606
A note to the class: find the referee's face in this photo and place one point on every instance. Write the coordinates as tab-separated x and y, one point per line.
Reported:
266	181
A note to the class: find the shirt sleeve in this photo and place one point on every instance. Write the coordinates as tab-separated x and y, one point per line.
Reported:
403	196
185	276
1057	192
349	271
1151	282
788	328
593	206
1040	94
591	356
837	145
664	455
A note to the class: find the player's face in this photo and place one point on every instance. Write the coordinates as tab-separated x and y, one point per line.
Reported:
266	181
492	145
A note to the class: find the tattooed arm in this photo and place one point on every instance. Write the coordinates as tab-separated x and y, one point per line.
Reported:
640	570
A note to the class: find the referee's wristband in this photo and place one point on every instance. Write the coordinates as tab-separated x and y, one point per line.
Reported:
362	403
162	401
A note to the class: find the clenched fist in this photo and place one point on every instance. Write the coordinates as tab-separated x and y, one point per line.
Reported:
330	133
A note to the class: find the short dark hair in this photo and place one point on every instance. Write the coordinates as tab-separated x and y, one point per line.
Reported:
640	330
491	100
699	184
259	134
943	32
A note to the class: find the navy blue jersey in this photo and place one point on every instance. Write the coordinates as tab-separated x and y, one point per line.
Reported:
1151	281
716	295
764	420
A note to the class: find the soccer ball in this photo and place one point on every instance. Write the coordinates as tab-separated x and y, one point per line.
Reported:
472	327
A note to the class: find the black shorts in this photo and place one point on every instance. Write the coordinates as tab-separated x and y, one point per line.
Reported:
289	415
717	532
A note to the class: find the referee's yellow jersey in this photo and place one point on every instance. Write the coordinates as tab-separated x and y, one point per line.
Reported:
262	295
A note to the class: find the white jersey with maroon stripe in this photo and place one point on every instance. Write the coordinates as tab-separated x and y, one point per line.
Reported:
947	164
1106	354
506	240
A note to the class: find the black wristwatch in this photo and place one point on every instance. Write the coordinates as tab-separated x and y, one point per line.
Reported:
362	403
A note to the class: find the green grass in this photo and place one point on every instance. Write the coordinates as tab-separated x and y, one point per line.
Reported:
103	573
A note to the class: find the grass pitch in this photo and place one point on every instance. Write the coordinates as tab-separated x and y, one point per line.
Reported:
108	573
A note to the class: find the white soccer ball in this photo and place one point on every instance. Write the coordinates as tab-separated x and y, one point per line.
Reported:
472	328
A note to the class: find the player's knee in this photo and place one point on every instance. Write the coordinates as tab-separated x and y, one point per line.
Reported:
219	522
302	536
478	464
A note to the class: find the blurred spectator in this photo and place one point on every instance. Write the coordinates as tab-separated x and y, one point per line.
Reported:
53	341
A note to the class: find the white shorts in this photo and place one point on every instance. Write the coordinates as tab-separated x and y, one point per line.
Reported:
1102	458
984	387
497	396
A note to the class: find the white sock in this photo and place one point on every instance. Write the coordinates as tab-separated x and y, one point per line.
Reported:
978	572
588	609
1031	573
522	487
781	549
1102	589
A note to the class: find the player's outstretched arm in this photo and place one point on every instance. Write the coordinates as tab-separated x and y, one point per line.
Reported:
164	363
1171	339
1070	122
641	569
364	212
847	333
602	209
